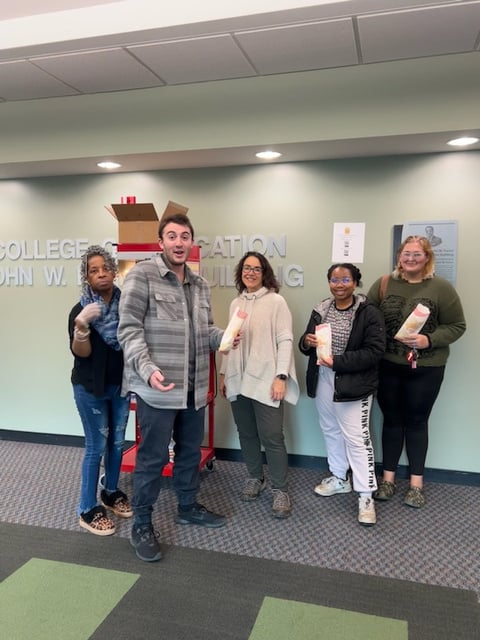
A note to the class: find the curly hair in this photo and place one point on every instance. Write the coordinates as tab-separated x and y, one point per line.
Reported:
428	269
354	271
268	277
95	250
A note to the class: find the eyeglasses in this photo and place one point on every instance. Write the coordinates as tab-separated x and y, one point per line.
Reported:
416	256
345	280
247	269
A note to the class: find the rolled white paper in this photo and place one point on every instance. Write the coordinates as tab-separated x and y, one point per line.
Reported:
414	323
323	333
232	330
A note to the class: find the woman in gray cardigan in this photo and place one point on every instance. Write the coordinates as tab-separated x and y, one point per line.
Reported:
259	376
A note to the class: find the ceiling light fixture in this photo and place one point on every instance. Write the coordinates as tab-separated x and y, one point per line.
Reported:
268	155
462	142
108	165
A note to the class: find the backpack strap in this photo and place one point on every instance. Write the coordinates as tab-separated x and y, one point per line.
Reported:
383	286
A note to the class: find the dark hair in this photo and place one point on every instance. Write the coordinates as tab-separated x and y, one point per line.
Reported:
268	277
354	271
177	218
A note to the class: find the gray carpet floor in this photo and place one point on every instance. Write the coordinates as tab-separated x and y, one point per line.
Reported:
437	545
195	594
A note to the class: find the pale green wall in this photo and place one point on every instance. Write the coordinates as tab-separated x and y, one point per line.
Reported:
300	200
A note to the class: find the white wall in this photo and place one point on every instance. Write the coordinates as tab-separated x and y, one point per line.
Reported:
300	200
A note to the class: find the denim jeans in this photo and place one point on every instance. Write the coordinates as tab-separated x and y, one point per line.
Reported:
104	422
157	427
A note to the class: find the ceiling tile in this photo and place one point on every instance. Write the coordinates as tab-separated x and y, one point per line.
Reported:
20	8
195	60
96	71
21	80
329	34
300	47
417	33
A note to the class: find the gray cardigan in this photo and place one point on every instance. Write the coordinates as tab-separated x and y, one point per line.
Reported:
265	350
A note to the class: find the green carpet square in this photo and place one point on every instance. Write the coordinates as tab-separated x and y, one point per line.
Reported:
288	620
48	599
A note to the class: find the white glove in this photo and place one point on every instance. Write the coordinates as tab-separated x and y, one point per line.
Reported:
88	313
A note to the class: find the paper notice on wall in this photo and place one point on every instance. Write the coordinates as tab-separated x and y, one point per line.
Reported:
348	242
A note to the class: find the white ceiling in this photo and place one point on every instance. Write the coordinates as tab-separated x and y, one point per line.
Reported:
327	35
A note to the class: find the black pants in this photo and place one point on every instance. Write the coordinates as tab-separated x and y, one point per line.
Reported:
406	397
157	426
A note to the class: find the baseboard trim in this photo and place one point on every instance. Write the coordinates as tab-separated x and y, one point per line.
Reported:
446	476
42	438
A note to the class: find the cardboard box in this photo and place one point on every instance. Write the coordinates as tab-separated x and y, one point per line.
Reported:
172	208
138	222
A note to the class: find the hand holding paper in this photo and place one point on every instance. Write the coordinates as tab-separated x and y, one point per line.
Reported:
414	323
232	330
323	333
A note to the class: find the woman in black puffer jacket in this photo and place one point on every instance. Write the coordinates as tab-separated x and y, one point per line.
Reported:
343	383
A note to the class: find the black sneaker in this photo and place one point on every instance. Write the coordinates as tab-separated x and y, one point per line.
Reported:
144	539
198	514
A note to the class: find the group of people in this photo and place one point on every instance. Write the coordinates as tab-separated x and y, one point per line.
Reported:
159	331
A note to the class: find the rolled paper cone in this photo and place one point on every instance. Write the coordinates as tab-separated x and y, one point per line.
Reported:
232	330
323	333
414	323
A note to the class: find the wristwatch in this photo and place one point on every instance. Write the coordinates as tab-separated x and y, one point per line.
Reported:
282	376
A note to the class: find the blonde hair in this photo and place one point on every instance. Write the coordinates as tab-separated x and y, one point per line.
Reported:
428	269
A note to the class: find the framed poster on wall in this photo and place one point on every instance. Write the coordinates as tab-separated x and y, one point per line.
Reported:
443	236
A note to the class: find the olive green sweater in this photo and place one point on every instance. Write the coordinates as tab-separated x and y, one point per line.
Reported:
445	324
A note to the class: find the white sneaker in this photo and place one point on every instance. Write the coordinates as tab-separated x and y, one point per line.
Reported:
366	511
333	485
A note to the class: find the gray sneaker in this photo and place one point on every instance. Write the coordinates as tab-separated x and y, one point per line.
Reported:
415	497
144	539
252	488
282	505
386	490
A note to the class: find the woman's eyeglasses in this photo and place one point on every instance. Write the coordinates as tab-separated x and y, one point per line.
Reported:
247	269
345	280
416	256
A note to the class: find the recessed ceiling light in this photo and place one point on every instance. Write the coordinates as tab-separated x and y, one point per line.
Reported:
268	155
108	165
462	142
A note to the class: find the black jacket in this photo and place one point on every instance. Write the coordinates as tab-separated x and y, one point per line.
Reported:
102	368
356	370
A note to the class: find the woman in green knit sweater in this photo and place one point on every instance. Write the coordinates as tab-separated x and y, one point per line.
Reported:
413	367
